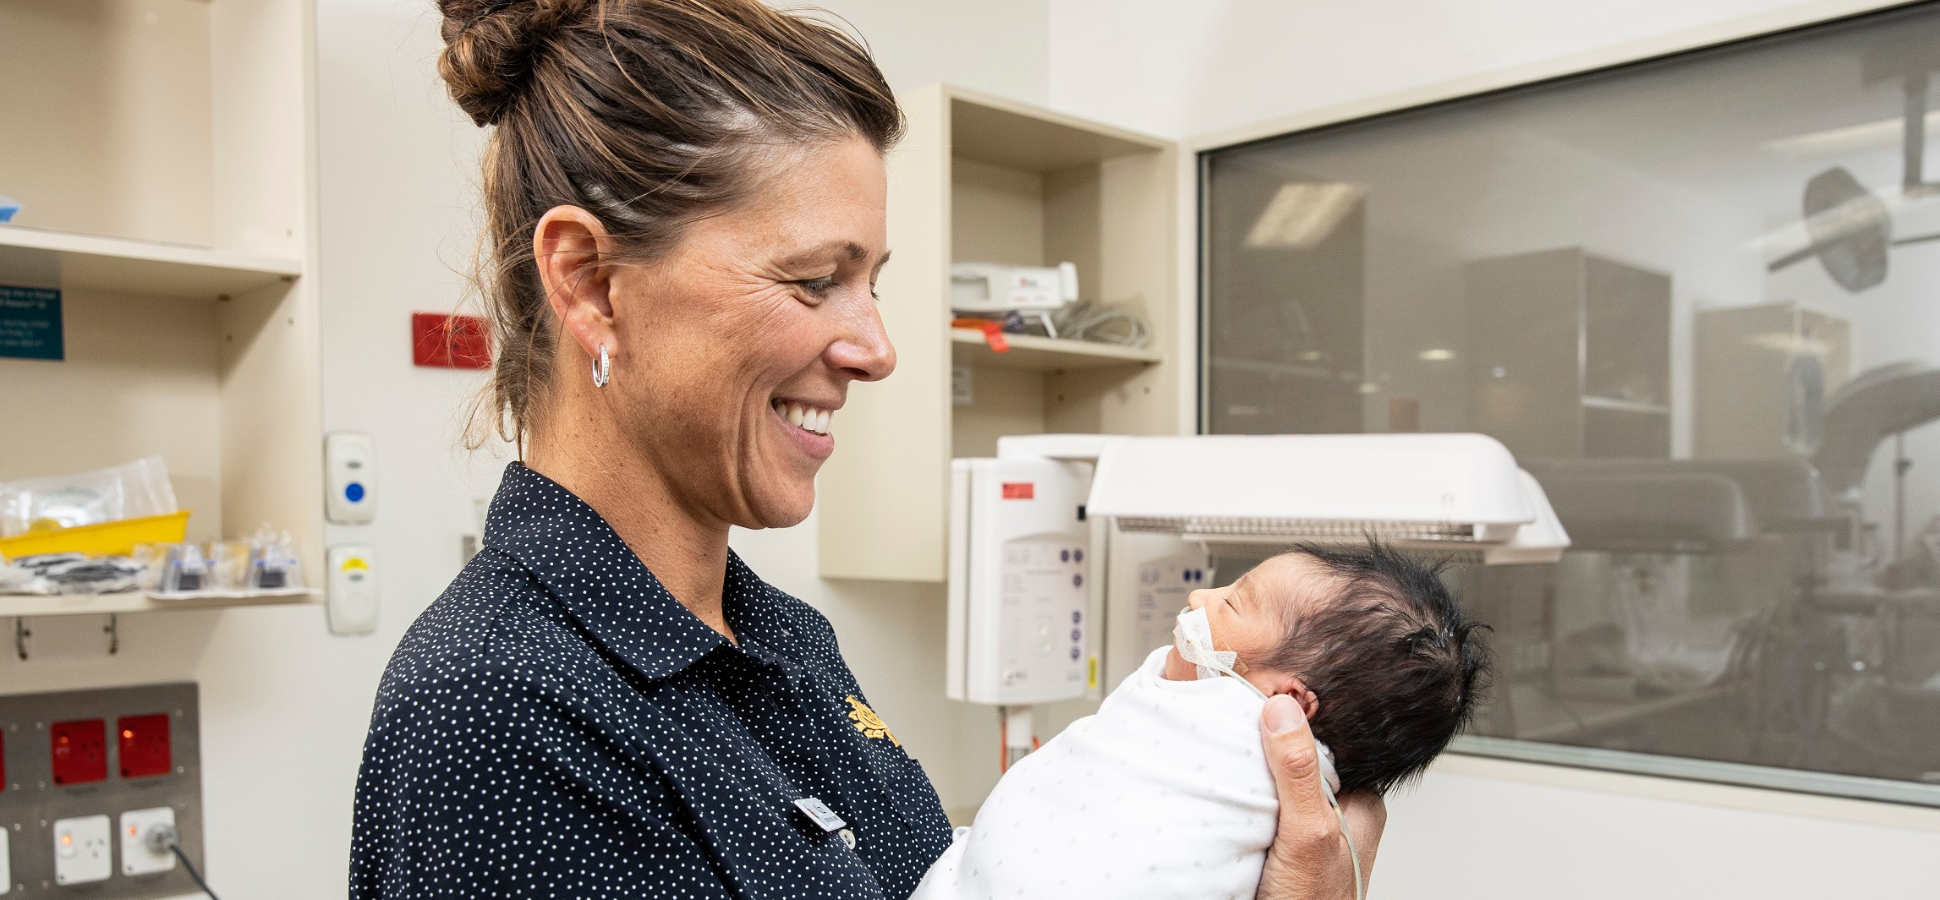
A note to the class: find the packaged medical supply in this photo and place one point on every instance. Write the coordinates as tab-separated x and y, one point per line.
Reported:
186	571
133	490
273	564
8	208
71	573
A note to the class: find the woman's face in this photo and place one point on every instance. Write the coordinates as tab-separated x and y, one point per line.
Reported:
738	347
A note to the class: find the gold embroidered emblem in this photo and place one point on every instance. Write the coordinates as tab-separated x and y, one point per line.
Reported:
867	722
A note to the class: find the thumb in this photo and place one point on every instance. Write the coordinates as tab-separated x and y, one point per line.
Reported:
1295	764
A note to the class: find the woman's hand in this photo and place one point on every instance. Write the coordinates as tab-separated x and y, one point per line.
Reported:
1309	858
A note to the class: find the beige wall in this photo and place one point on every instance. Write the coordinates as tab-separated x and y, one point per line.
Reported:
285	704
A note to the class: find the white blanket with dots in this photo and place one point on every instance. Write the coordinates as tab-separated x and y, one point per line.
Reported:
1163	795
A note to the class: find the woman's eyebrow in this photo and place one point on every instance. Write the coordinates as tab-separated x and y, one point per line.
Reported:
849	251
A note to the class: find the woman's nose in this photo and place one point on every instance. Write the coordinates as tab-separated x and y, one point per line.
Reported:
1197	598
863	351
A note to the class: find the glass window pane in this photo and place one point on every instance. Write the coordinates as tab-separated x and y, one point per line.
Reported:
1699	299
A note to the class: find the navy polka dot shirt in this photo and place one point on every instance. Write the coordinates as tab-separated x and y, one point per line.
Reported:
557	725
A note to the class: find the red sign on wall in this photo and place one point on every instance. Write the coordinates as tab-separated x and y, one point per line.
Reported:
1019	490
450	341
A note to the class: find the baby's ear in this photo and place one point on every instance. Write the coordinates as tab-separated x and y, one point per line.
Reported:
1293	686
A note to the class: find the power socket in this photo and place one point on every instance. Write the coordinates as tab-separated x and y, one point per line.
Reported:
81	852
136	856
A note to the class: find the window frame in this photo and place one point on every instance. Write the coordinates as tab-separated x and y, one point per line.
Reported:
1792	23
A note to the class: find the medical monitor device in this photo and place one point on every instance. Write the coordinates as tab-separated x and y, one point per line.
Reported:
1019	581
996	288
1153	516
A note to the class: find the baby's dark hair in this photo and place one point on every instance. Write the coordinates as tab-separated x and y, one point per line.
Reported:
1392	659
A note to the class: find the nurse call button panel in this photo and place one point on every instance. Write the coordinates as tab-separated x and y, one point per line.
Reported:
350	468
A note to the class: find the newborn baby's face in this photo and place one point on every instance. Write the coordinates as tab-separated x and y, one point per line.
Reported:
1250	617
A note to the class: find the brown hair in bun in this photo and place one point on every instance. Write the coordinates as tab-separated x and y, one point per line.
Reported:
646	113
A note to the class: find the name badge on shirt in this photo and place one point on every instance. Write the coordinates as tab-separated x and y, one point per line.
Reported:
819	813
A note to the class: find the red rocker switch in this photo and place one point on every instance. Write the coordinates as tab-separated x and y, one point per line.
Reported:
80	751
143	745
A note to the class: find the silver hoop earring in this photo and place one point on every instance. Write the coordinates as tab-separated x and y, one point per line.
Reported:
602	369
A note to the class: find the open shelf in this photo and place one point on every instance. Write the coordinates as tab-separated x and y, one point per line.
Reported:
90	262
162	154
1039	354
136	602
982	179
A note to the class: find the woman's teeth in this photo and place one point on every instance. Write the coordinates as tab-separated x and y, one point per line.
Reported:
807	418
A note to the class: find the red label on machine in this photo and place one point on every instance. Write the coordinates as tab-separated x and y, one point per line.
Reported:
1019	490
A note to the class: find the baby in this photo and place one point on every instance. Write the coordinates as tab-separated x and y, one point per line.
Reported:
1165	792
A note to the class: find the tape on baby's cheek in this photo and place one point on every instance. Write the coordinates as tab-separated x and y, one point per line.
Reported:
1196	643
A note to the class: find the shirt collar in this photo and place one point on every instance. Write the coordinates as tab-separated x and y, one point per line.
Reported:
603	586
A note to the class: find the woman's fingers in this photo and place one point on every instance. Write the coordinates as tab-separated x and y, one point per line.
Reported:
1309	859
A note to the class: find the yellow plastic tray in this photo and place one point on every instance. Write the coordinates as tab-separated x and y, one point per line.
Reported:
106	539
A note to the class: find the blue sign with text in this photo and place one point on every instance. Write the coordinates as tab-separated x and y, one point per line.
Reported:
30	323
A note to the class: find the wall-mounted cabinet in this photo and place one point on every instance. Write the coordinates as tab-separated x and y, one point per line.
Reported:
1569	355
161	154
978	179
1763	375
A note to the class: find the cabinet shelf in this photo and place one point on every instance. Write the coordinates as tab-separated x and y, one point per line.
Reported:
1618	404
141	267
27	605
987	180
1039	354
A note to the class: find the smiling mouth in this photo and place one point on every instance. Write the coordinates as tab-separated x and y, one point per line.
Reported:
812	419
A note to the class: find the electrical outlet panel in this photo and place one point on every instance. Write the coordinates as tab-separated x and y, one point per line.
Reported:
137	857
81	851
79	750
143	744
82	768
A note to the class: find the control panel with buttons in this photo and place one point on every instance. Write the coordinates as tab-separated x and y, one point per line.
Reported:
350	469
96	788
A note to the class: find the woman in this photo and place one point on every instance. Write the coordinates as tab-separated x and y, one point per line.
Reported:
685	206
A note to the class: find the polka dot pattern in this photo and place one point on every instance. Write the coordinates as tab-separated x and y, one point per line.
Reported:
557	725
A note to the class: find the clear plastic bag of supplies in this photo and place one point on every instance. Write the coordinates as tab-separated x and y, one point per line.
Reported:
129	491
273	564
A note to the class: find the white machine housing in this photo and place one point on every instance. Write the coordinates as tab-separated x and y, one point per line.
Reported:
1020	591
1160	510
995	288
1461	494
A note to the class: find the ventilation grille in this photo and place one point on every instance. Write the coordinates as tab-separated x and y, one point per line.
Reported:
1300	529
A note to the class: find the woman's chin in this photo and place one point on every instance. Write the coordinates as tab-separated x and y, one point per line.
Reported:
783	508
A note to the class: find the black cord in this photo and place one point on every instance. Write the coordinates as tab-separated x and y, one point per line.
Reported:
184	857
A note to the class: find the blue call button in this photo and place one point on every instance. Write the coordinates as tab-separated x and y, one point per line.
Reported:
354	492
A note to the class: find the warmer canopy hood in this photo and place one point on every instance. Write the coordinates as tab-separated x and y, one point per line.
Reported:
1447	492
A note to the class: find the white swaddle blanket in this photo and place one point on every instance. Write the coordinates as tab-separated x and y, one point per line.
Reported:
1164	794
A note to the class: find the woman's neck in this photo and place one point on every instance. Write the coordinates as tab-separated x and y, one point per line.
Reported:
681	546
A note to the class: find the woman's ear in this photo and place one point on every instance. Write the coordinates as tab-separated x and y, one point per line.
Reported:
569	245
